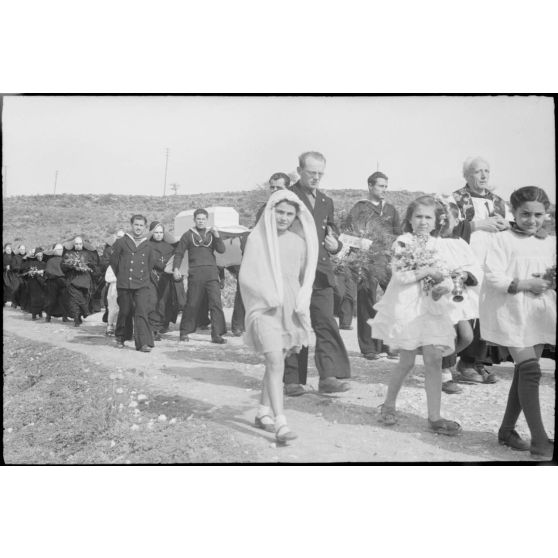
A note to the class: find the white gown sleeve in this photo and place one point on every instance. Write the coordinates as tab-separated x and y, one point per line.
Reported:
496	263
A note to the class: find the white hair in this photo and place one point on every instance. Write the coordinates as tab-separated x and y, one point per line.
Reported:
468	163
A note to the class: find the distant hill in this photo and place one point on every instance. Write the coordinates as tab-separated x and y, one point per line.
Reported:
44	220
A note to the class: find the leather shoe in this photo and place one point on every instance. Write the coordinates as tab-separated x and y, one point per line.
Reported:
487	377
371	356
467	374
145	349
332	385
119	343
294	390
184	338
451	388
156	336
543	453
237	332
513	440
219	340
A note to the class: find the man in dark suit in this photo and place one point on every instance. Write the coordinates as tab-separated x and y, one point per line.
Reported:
369	216
331	356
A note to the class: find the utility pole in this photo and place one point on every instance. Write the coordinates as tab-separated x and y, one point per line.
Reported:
166	166
55	181
5	182
377	166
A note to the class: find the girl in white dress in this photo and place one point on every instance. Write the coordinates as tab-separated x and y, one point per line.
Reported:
518	311
413	320
276	276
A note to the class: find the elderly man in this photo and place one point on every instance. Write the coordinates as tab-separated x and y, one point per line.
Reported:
78	266
331	357
484	213
132	260
372	217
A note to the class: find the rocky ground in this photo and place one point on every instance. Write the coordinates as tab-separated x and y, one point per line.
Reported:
71	397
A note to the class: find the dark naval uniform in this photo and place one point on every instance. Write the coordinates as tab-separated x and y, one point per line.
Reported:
331	356
132	265
203	278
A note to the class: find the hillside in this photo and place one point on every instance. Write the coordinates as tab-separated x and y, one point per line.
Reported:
44	220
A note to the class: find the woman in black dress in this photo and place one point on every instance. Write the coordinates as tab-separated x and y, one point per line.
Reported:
163	289
34	273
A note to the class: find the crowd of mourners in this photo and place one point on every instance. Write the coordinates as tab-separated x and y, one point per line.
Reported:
469	281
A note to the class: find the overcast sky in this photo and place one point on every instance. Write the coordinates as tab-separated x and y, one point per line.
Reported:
117	144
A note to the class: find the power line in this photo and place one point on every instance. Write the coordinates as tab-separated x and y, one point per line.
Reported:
166	166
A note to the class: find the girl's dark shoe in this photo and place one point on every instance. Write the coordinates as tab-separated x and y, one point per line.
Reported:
543	453
284	435
156	336
513	440
265	423
445	427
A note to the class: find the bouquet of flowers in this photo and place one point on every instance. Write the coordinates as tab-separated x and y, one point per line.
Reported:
417	255
361	262
33	271
73	260
549	275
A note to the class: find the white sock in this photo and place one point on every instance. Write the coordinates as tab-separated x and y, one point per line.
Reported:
446	375
263	411
280	421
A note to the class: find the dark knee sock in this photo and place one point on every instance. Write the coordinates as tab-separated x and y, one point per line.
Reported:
513	407
528	388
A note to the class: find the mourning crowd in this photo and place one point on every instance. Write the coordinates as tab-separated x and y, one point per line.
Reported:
466	281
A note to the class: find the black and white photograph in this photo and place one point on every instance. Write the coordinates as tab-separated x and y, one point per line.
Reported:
278	279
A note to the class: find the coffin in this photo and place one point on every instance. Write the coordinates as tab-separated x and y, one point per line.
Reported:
225	219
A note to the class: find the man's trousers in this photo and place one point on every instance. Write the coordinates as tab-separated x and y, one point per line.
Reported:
203	280
330	356
133	307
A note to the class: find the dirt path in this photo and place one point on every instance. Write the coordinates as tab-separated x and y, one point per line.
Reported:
222	384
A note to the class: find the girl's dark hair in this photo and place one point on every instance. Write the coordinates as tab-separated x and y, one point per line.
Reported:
529	194
440	211
290	202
